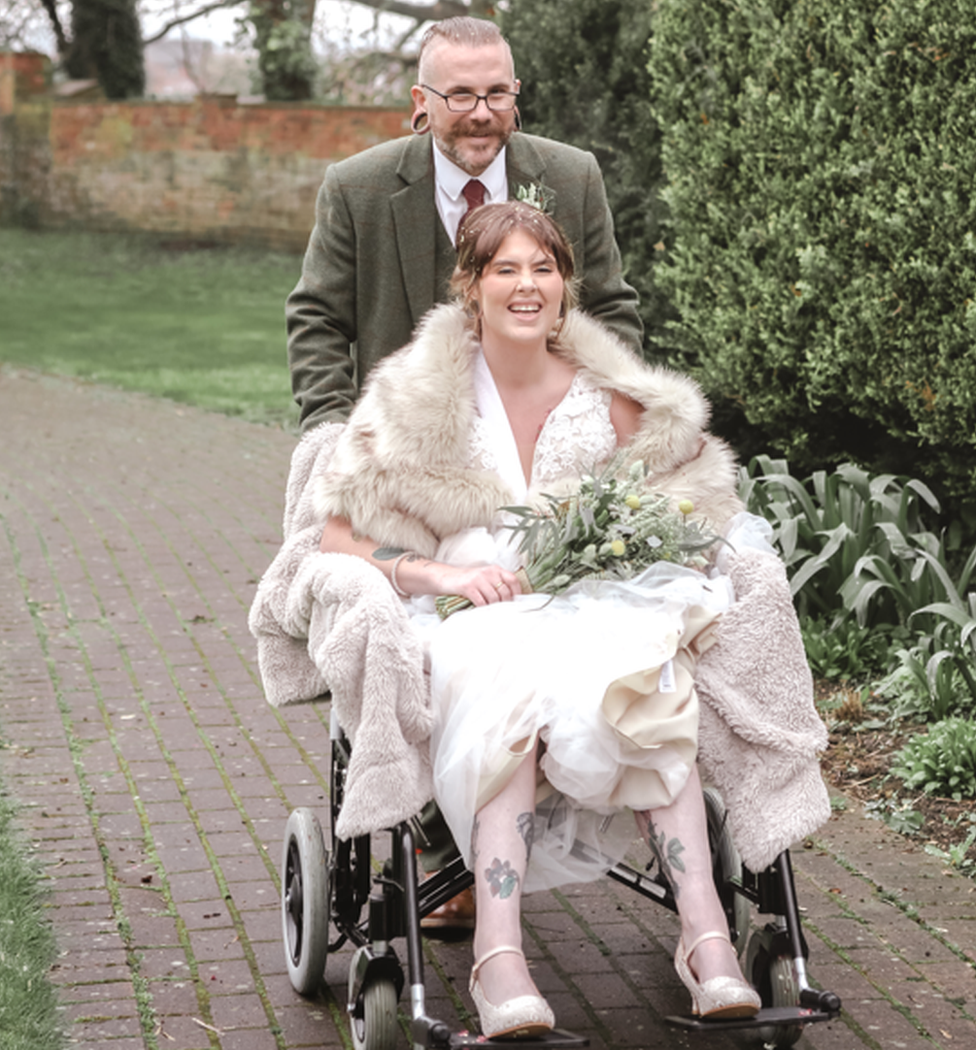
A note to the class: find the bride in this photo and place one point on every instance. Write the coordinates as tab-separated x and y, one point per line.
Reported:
553	716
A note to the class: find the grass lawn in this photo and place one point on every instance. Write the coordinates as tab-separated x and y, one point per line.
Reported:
205	327
28	1006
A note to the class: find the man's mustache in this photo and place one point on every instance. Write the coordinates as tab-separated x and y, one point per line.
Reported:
477	127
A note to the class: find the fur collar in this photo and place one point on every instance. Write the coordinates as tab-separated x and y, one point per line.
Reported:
399	474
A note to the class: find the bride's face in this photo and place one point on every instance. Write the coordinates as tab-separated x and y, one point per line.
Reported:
520	291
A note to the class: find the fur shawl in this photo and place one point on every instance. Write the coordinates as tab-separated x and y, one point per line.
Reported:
399	472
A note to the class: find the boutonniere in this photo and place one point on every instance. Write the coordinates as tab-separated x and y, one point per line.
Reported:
536	195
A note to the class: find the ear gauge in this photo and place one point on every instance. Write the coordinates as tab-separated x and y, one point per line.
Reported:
518	120
420	122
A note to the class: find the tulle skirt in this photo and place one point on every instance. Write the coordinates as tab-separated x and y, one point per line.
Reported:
603	677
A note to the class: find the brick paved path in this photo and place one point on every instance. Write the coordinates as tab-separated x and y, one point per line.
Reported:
156	781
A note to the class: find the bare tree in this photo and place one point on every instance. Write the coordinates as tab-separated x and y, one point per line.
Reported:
281	32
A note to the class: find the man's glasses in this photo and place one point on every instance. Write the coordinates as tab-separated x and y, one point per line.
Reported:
467	101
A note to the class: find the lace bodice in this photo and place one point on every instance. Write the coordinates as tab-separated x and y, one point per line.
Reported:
576	438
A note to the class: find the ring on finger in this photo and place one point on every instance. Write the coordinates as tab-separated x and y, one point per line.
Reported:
499	585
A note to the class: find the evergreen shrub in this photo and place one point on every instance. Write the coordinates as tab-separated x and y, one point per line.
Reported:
583	64
821	160
107	44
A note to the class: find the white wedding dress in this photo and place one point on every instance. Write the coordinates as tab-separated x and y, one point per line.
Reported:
601	674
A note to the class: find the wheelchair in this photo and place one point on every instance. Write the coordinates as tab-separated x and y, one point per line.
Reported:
334	885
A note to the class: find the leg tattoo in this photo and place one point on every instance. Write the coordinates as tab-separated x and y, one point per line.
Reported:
668	854
525	823
475	829
502	880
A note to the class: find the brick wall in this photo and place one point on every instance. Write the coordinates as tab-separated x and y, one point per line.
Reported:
210	169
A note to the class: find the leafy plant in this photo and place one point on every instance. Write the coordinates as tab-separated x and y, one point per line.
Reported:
898	815
846	650
956	854
833	529
942	761
930	682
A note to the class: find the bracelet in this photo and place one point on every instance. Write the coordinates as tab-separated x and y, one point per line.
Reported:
393	577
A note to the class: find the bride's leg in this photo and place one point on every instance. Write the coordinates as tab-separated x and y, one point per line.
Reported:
501	842
678	835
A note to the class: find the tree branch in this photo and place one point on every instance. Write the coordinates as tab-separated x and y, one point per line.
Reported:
192	16
434	11
431	12
59	35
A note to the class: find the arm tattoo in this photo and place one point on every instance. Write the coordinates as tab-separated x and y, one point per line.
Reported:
502	879
388	553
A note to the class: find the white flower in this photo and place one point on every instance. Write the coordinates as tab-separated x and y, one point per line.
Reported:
536	196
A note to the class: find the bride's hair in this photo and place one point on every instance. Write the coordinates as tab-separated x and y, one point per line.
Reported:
481	234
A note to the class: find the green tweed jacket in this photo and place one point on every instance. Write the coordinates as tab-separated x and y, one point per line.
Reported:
379	258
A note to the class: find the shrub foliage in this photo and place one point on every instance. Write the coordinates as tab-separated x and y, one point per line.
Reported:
583	64
821	160
941	761
107	44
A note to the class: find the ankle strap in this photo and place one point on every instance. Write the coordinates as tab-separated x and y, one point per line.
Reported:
503	949
712	935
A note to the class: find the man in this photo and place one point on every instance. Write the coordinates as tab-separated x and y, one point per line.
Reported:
382	249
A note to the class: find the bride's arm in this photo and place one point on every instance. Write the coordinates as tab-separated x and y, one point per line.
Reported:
416	574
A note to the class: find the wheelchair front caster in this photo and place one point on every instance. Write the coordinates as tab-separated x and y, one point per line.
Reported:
770	968
305	901
373	1019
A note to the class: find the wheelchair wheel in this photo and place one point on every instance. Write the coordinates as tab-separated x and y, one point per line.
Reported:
727	867
305	901
374	1018
770	969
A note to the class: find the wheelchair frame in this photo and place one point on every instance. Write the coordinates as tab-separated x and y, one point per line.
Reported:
321	886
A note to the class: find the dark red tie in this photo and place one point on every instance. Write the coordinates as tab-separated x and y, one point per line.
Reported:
474	194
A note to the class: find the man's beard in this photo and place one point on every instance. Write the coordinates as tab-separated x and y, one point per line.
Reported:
461	132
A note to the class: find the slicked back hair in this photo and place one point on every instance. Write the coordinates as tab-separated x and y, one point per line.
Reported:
463	31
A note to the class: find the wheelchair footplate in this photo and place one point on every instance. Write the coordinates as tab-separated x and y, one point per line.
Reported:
556	1038
771	1016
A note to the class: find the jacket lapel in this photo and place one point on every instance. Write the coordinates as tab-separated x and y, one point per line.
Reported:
415	220
524	164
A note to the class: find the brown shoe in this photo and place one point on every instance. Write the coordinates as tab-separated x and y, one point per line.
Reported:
455	914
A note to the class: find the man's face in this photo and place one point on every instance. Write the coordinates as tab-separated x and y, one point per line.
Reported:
471	140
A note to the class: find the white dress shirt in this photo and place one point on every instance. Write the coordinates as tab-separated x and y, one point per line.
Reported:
450	181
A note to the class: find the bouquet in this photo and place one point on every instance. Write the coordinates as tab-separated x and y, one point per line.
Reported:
609	529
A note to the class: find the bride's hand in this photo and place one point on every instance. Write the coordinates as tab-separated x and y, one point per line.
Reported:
481	584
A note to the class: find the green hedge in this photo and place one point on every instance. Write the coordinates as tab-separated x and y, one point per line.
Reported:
821	159
583	64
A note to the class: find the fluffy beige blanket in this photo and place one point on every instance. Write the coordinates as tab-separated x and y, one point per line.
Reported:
332	622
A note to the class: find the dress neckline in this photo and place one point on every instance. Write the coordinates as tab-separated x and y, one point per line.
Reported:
493	414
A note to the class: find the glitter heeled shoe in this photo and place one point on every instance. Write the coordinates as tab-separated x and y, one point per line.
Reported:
518	1018
718	997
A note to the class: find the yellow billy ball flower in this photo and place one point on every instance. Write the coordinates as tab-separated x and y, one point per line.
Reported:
618	548
633	501
686	506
